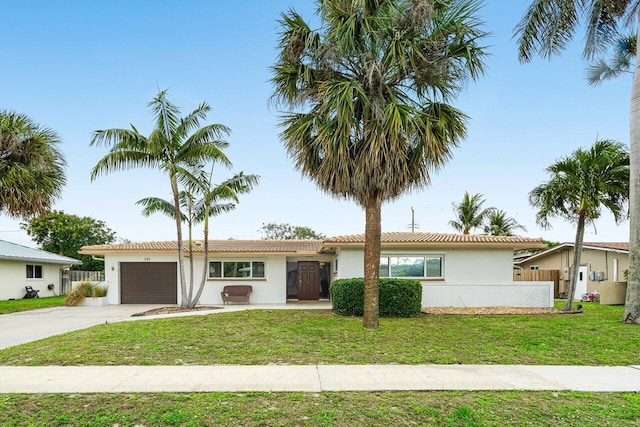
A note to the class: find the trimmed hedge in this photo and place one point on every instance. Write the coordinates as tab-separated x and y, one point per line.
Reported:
398	297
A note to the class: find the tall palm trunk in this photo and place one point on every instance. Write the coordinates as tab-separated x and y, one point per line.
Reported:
190	240
575	268
178	217
372	233
632	302
205	268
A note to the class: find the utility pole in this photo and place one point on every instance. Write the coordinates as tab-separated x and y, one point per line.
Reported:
413	221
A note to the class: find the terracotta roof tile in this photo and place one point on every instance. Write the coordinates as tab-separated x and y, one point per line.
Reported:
438	238
315	246
220	246
619	246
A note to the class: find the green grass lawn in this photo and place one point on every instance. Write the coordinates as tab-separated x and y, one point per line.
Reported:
30	304
595	337
323	409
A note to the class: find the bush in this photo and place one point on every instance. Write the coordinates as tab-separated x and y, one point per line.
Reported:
85	290
398	297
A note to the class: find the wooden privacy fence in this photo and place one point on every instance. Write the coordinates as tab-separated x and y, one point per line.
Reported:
539	276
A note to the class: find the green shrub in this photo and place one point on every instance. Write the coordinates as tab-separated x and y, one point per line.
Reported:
398	297
85	290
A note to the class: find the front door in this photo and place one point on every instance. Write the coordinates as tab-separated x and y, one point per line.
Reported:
581	283
308	280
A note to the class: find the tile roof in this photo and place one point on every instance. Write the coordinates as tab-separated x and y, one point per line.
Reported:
215	246
13	251
603	246
316	246
437	239
616	246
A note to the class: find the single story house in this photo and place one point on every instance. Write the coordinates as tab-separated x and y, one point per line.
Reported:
22	266
601	263
455	269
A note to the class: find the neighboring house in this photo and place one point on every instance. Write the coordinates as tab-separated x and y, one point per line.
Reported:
455	270
22	266
600	263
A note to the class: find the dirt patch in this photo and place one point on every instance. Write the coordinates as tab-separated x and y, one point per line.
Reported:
495	310
171	310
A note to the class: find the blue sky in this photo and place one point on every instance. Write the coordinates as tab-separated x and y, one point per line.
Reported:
78	66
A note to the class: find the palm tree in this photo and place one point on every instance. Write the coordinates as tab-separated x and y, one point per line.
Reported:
188	216
469	213
580	185
499	224
366	95
173	146
196	211
31	166
620	63
546	29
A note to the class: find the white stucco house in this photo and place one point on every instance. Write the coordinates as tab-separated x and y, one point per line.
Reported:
22	266
454	269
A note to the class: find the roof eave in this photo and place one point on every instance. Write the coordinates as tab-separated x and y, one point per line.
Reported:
105	252
41	260
428	245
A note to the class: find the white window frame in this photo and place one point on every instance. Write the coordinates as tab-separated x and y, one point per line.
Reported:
424	275
250	261
33	272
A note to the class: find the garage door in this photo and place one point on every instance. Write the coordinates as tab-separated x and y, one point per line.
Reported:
148	283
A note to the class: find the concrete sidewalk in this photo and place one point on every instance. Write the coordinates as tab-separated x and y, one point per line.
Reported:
315	378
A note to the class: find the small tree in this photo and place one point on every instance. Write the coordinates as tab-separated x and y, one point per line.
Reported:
274	231
202	200
580	185
175	144
65	234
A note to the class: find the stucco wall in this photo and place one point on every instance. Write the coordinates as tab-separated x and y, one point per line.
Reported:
595	260
271	290
13	279
510	294
472	278
350	263
460	265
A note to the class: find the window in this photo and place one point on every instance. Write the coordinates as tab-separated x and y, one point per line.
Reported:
236	270
534	267
429	266
34	271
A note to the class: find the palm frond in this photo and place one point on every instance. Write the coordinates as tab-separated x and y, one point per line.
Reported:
546	28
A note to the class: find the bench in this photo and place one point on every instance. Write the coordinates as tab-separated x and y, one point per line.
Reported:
236	293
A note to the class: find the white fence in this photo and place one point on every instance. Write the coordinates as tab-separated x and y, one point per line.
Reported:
510	294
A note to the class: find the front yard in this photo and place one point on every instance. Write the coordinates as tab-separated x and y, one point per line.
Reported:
323	409
308	337
30	304
595	337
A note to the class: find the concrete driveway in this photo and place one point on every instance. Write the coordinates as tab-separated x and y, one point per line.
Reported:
26	326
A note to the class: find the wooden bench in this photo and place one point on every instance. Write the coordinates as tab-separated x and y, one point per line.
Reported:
236	293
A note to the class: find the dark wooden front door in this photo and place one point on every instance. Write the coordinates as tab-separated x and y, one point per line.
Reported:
308	280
